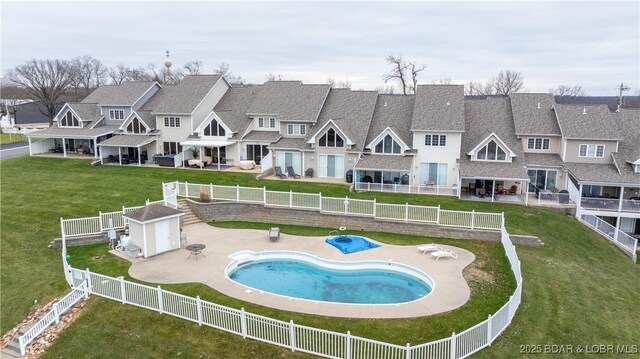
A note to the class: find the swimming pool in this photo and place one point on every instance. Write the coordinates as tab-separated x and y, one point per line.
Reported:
304	276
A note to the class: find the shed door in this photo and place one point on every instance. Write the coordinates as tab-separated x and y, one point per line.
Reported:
163	242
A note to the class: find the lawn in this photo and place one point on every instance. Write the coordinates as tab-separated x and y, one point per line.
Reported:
578	289
6	138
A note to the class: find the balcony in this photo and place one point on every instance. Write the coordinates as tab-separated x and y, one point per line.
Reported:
611	204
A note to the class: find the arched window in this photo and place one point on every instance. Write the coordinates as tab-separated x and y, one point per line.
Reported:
214	129
331	139
388	145
136	126
69	120
492	152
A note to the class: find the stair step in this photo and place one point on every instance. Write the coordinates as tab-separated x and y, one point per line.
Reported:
10	352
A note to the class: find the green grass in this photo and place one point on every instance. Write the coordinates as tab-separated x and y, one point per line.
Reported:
6	138
578	289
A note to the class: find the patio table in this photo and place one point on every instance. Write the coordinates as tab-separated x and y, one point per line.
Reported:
195	249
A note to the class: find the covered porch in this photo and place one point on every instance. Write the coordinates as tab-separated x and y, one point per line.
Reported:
510	190
210	154
72	147
622	198
127	150
382	173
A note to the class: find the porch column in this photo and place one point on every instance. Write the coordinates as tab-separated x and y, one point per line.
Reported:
200	153
493	191
621	198
64	147
615	234
579	196
526	194
100	155
218	157
95	147
120	155
139	157
30	150
459	187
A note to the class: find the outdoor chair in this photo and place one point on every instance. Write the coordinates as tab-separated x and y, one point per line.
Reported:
292	173
279	172
274	234
112	159
444	254
513	189
501	189
482	192
429	248
308	173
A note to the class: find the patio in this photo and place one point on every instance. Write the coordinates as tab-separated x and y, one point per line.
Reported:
451	289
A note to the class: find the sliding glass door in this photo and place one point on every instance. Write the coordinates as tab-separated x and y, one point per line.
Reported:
256	153
289	159
433	173
542	179
331	166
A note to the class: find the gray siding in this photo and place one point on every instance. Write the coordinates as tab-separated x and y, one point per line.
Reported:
573	148
146	97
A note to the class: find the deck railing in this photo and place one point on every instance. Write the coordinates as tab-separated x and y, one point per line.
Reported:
625	242
403	188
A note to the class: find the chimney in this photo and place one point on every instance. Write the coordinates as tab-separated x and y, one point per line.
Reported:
584	110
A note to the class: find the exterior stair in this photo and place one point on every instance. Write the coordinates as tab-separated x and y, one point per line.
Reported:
12	350
189	217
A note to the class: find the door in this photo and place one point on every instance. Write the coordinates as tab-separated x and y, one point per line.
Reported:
289	159
435	173
331	166
163	242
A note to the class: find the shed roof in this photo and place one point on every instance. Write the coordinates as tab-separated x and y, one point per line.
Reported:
152	212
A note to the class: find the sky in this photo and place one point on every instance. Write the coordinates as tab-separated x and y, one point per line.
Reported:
592	44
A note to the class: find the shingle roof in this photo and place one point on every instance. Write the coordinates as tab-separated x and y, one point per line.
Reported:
270	136
127	140
630	122
385	162
232	107
86	111
482	117
183	97
289	143
588	122
594	172
351	111
86	131
290	101
543	159
394	111
439	108
533	114
146	117
125	94
151	212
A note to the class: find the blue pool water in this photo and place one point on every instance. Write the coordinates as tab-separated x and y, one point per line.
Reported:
304	280
351	244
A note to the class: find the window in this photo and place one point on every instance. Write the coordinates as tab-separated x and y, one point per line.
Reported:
388	145
538	144
172	122
116	114
69	120
264	122
331	139
435	140
135	126
172	148
491	152
433	173
257	153
591	151
296	129
214	129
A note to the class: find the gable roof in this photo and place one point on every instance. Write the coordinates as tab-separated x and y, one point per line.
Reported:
533	114
629	149
232	107
394	112
350	111
184	97
144	116
588	122
439	108
86	111
290	101
152	212
125	94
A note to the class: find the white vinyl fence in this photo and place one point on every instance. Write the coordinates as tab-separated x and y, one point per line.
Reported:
625	242
403	188
343	205
53	316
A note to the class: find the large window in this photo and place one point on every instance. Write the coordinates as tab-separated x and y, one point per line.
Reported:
491	152
538	144
591	151
69	120
266	122
435	140
214	129
432	173
116	114
296	129
172	122
331	139
135	126
591	191
388	145
172	148
542	179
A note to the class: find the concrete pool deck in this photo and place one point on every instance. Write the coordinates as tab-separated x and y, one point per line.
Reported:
451	290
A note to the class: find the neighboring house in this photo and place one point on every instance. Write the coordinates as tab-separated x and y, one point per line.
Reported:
25	114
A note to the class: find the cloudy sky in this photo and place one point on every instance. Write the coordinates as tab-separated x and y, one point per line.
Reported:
593	44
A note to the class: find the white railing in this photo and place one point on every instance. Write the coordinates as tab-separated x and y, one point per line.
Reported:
403	188
298	337
574	193
53	316
625	242
266	162
610	204
343	205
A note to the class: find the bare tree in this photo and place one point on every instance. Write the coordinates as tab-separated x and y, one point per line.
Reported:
443	81
119	74
87	73
343	84
193	67
477	88
415	70
507	82
385	89
274	77
398	72
223	70
566	90
45	80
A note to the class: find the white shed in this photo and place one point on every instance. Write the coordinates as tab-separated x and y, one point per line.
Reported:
154	229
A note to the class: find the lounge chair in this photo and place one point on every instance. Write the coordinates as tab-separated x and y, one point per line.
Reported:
444	253
292	173
513	189
279	172
429	248
274	234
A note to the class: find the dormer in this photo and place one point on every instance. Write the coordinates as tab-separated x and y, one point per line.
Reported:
388	143
136	124
330	135
492	148
77	115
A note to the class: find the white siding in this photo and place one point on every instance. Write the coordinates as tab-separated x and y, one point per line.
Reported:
437	154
